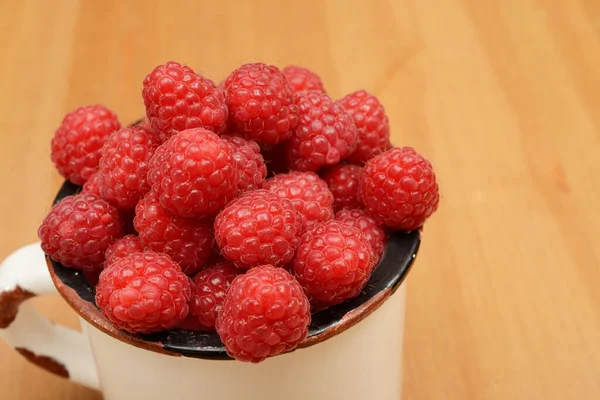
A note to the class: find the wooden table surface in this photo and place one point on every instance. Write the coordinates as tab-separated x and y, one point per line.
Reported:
503	96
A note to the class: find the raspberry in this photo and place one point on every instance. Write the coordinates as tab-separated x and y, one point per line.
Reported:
194	173
190	323
145	125
333	263
156	161
265	313
93	184
325	133
77	142
123	247
209	290
260	102
372	124
124	166
343	181
303	79
250	162
144	292
372	231
79	229
258	228
309	195
187	241
177	98
399	189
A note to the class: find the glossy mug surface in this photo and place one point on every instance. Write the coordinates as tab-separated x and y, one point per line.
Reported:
353	350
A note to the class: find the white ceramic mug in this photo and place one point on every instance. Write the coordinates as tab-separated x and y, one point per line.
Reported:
351	360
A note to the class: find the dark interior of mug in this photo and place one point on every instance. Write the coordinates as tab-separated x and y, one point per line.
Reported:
399	255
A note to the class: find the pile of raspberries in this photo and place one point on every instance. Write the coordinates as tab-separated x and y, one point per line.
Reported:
240	207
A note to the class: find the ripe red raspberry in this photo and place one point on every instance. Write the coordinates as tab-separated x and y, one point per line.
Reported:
343	181
303	79
325	133
79	229
77	142
309	194
194	174
250	162
123	247
144	292
258	228
144	123
371	229
190	323
188	241
399	189
93	184
124	166
209	290
333	263
156	161
261	104
372	123
265	313
177	98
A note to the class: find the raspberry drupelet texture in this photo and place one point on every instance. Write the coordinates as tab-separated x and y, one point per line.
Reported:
325	133
209	290
249	161
303	79
343	181
258	228
144	123
372	123
123	247
79	139
261	104
177	98
124	166
308	193
373	232
265	313
78	231
333	263
156	162
144	292
93	184
194	174
188	241
399	189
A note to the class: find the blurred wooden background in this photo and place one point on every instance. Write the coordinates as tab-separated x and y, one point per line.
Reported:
502	95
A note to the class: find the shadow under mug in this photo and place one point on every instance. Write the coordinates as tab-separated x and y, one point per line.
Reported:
333	362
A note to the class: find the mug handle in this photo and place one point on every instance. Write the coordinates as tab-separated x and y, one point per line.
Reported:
60	350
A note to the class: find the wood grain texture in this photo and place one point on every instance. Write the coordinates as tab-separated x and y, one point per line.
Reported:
503	96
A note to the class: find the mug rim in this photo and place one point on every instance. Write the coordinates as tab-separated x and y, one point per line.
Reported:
401	250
